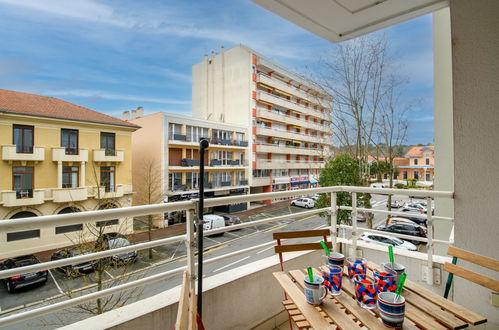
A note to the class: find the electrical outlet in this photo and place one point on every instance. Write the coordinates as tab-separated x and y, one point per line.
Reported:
437	277
424	273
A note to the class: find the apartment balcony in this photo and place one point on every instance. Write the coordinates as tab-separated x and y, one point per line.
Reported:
33	154
22	198
279	149
68	195
108	156
119	191
186	162
287	104
288	164
62	154
288	135
214	144
292	120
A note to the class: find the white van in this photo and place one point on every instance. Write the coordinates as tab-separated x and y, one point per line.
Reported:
212	221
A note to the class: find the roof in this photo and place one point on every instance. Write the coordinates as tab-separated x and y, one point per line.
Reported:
418	151
46	106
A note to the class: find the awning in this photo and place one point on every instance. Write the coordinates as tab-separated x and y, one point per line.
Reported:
283	92
265	120
265	86
313	181
263	102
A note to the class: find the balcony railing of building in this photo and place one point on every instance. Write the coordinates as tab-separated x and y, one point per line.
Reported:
213	141
300	106
189	238
290	146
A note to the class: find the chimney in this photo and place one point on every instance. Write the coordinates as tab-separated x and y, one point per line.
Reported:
133	116
139	112
126	115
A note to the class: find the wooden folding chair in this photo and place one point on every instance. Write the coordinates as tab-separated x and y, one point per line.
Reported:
187	311
293	313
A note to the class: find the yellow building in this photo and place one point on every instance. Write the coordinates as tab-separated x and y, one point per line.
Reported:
58	157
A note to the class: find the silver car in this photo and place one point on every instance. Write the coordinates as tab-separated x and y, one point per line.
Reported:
307	203
386	240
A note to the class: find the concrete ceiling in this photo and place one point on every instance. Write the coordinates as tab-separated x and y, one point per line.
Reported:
338	20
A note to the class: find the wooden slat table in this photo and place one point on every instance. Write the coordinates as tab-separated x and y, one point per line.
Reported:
424	309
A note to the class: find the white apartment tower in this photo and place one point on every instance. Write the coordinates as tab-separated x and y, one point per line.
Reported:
287	115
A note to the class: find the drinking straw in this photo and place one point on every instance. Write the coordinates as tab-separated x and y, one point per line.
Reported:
390	253
400	285
324	246
310	274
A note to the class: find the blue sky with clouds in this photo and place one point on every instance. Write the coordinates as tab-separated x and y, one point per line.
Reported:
116	55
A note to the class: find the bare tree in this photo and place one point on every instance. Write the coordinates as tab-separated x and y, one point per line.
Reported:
149	191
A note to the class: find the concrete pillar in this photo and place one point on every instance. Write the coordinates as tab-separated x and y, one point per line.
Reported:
82	174
59	174
475	97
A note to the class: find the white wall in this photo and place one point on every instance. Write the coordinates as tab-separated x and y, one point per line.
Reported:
475	73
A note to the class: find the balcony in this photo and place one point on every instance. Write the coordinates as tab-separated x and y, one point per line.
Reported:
253	280
280	149
189	162
288	164
108	156
22	198
291	120
287	104
119	191
288	135
33	154
62	154
262	181
68	195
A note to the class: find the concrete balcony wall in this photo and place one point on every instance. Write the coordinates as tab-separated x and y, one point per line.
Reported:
279	84
265	164
265	181
242	298
288	135
9	153
173	143
276	149
9	199
67	195
100	156
119	192
290	105
265	113
59	155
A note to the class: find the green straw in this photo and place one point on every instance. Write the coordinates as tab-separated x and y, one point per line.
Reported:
400	285
310	274
324	246
390	253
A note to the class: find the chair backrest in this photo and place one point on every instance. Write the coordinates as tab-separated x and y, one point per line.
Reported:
472	276
186	313
281	248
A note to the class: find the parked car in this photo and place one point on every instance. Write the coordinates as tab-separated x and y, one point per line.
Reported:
16	282
212	221
411	229
411	206
74	269
395	204
307	203
401	218
386	240
231	220
113	241
315	197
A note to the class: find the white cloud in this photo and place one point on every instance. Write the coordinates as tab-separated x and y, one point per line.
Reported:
113	96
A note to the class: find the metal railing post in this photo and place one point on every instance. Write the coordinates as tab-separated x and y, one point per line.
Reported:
334	222
354	224
429	246
190	245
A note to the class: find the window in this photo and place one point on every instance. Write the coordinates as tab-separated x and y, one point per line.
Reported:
192	180
427	160
195	133
23	138
107	175
70	176
68	228
22	178
107	222
415	162
405	175
175	131
16	236
107	142
69	140
175	180
416	175
428	176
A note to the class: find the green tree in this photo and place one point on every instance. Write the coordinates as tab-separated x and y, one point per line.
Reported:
342	170
380	168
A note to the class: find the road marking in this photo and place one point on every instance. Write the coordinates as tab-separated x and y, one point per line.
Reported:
261	251
208	251
321	226
380	202
235	262
56	284
108	274
211	239
232	234
306	218
275	228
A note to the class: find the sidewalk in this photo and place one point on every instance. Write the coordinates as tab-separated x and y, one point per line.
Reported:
176	229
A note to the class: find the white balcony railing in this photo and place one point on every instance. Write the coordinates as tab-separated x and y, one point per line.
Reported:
189	207
36	154
288	104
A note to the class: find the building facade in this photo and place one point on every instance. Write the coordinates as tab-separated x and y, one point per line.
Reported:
58	157
418	163
287	115
172	142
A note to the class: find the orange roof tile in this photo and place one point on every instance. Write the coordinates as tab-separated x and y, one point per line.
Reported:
418	150
45	106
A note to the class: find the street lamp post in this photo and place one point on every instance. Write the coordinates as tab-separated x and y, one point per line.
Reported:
203	145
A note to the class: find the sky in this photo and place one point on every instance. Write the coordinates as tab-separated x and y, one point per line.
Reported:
117	55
